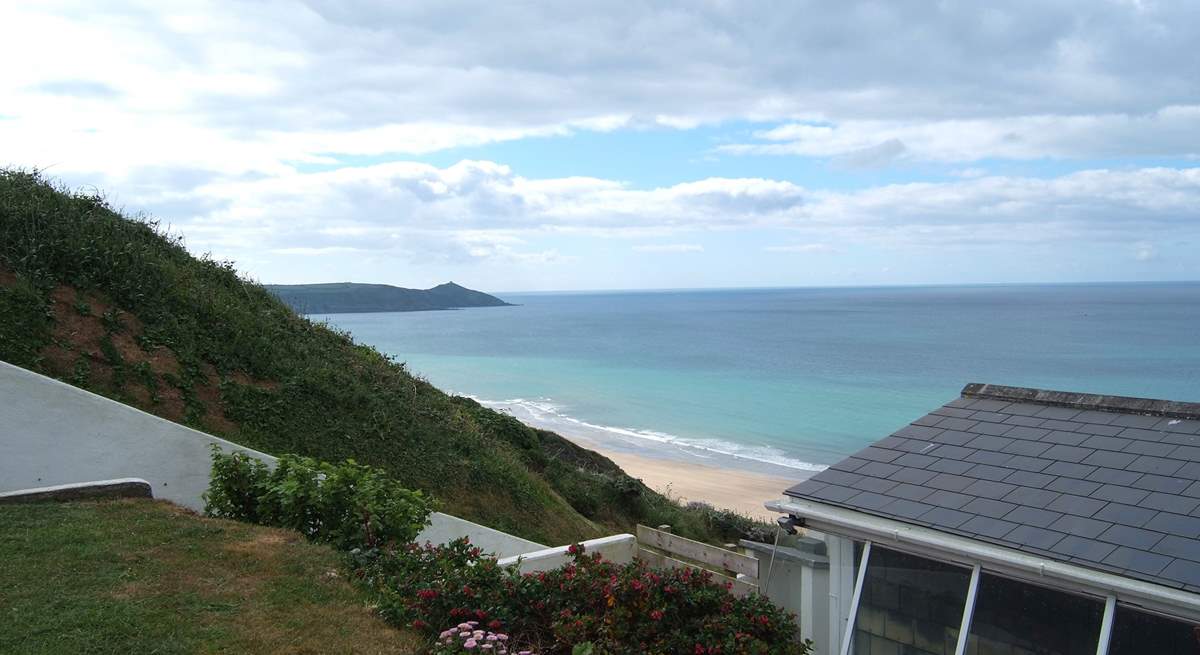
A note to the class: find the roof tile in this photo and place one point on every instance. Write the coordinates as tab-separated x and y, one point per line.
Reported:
1126	514
912	475
1033	498
1076	505
1137	560
1155	465
992	428
987	507
1123	535
1170	503
1030	479
952	466
1081	526
1141	447
1065	438
1136	421
1068	453
1183	526
1033	516
914	460
988	489
988	527
1095	416
1084	549
1073	486
948	482
1036	537
1114	476
946	517
1069	469
1183	571
1119	494
987	472
1162	483
1110	459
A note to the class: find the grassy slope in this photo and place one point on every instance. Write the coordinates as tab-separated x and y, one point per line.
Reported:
108	303
149	577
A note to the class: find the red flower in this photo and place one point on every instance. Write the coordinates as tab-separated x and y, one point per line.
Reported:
495	625
418	624
427	594
575	549
656	615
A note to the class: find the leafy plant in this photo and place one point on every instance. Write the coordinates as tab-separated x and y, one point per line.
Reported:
615	608
347	505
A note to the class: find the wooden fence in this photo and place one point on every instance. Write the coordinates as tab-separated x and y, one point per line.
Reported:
662	549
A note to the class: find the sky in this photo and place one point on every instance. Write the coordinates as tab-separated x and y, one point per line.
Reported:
513	146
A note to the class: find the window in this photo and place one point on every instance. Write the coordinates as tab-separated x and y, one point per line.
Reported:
1017	618
1137	633
909	605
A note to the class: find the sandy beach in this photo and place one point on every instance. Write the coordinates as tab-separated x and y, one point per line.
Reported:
743	491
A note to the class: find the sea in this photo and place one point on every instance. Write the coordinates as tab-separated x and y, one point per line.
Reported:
788	381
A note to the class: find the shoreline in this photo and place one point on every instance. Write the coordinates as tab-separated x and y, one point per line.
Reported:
738	490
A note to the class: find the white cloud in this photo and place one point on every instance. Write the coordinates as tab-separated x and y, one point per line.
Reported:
669	247
802	248
260	87
477	210
1173	130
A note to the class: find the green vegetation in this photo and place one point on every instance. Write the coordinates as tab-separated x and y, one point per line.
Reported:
148	577
347	505
187	339
461	597
619	609
348	297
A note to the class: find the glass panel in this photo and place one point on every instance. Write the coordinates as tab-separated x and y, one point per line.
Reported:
1137	633
1017	618
910	605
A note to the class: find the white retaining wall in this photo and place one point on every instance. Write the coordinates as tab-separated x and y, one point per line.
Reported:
52	433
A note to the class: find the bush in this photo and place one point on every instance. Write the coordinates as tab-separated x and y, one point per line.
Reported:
347	505
627	608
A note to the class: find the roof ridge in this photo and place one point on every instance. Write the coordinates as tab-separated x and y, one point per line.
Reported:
1075	400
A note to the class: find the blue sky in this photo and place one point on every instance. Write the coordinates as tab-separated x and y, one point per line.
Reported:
636	145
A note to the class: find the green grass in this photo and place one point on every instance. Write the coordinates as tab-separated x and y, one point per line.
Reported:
148	577
235	361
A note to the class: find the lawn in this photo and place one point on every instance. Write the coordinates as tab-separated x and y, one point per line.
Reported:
141	576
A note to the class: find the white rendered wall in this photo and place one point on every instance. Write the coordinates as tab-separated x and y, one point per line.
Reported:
52	433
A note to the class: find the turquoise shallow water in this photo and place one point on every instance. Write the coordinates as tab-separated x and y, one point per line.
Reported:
789	380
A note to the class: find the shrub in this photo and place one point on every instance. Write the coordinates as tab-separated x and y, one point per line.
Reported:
347	505
627	608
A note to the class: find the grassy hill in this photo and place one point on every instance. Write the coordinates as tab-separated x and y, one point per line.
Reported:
142	576
348	297
110	304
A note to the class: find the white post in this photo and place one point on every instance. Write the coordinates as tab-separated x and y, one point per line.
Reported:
1110	610
968	612
841	589
858	585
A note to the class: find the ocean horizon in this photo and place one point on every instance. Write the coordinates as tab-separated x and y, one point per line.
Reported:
787	380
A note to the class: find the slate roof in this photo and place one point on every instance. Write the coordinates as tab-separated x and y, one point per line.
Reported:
1110	483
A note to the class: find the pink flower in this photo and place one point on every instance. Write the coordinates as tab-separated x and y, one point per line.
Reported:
470	643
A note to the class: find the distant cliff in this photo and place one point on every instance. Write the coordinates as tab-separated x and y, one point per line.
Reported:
349	297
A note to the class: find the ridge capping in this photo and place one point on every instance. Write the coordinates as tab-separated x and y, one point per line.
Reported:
1074	400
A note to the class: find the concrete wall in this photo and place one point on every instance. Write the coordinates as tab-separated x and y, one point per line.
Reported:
52	433
618	548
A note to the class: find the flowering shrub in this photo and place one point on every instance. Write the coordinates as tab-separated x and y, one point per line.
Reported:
628	608
468	637
348	505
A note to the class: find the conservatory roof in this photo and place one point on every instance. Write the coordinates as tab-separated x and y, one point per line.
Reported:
1105	482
